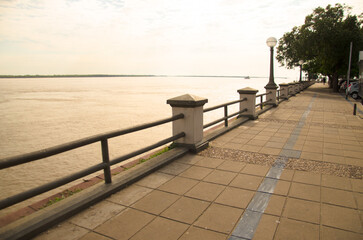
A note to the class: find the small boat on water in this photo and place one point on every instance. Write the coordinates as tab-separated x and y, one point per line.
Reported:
247	77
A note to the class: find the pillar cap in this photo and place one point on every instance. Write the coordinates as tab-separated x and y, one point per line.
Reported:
284	84
247	90
187	101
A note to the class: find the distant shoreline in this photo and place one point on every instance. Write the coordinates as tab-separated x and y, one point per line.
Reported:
124	75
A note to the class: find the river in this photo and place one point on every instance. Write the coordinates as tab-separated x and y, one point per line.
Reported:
44	112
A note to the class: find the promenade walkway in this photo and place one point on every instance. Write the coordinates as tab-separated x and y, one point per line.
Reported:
294	173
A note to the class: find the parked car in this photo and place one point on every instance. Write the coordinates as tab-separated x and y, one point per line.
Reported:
343	84
353	90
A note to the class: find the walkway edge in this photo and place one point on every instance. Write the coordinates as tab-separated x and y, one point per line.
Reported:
38	222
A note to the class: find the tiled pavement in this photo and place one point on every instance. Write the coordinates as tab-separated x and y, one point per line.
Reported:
199	197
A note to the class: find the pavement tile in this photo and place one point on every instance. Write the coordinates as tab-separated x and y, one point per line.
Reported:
282	188
352	147
305	191
196	172
313	149
154	180
357	185
341	217
312	156
226	220
353	154
289	229
205	191
155	202
129	195
328	233
246	181
333	159
63	231
336	182
338	197
131	221
359	200
231	166
270	150
303	210
333	151
185	210
174	168
178	185
270	144
195	233
220	177
94	236
251	148
96	214
235	197
275	205
209	162
287	174
161	229
189	159
333	145
278	139
266	228
314	144
255	142
307	177
254	169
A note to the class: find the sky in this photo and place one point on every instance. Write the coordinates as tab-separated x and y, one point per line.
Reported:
186	37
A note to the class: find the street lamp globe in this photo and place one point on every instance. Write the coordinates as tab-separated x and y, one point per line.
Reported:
271	42
301	62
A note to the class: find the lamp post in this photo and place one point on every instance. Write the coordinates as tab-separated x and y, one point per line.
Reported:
301	63
271	42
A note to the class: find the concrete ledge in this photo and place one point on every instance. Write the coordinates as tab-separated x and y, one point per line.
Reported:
41	220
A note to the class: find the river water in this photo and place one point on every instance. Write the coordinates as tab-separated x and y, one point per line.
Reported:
40	113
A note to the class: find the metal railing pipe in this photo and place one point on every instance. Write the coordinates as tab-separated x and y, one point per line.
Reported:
9	201
148	148
29	157
223	105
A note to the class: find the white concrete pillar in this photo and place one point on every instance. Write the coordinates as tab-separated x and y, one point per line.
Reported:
284	91
271	96
292	89
192	123
249	104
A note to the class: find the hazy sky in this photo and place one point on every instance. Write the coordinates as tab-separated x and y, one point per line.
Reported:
210	37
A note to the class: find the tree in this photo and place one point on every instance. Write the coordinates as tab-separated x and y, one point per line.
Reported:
323	43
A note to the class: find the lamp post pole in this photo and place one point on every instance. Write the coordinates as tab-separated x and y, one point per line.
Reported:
301	63
271	87
271	42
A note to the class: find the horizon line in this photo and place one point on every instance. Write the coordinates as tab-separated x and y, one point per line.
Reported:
126	75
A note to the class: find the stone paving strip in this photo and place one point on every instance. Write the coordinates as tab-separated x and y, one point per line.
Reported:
317	195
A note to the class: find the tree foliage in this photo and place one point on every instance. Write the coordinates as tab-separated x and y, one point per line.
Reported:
323	42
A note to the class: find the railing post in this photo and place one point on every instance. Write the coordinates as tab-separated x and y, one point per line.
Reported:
292	89
249	104
297	87
106	159
192	123
226	115
261	102
271	96
284	90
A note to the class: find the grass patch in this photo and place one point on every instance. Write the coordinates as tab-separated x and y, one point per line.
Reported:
64	194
